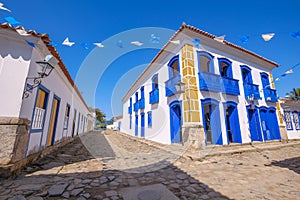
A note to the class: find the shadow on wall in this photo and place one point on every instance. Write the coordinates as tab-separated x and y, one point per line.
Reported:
291	163
15	49
73	165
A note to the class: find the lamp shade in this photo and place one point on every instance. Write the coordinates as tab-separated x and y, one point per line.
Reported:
44	68
180	87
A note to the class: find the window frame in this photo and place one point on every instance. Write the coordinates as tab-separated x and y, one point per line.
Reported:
170	69
211	66
290	120
46	101
149	116
297	125
67	123
249	74
229	67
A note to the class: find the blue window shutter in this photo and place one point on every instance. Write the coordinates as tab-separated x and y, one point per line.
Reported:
149	119
142	92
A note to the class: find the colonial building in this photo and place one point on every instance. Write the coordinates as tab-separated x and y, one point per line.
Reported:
291	117
213	92
37	111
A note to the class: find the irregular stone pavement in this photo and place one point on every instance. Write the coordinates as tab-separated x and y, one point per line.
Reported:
99	166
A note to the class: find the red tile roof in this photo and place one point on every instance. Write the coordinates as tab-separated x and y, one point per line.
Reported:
194	29
227	43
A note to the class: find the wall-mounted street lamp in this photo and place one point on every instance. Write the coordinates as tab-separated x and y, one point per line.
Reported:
44	70
180	87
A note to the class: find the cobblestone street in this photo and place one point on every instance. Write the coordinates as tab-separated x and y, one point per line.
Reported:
100	165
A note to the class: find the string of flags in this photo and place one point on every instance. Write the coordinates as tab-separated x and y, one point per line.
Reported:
3	8
153	39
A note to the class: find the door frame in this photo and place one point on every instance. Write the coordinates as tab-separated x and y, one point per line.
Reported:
258	126
237	136
136	130
55	120
142	124
217	125
173	138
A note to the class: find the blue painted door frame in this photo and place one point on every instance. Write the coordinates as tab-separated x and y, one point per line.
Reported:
175	122
142	124
274	127
265	123
269	123
232	122
55	118
254	124
136	125
211	120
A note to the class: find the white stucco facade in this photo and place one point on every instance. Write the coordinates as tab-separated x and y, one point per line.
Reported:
160	129
17	63
290	110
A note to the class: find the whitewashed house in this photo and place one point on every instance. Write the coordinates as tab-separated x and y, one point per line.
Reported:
291	117
48	112
225	94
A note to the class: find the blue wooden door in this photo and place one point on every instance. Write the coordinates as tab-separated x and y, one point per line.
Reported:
233	125
142	124
215	124
136	125
265	124
175	122
254	125
273	124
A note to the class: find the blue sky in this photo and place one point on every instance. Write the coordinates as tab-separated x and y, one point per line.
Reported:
96	21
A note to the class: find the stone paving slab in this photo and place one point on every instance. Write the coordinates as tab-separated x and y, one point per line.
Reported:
149	192
261	174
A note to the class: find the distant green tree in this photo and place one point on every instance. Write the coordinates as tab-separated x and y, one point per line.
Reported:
100	116
294	94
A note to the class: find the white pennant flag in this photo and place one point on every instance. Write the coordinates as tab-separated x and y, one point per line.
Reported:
220	38
3	8
137	43
289	71
99	44
67	42
277	79
267	37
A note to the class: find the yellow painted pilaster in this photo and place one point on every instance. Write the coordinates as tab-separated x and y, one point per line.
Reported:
190	97
272	81
279	113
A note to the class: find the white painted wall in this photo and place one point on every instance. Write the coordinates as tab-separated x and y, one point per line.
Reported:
240	100
292	134
15	57
59	86
160	130
17	62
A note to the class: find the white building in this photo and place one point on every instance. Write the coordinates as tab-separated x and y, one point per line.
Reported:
53	111
229	95
291	117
